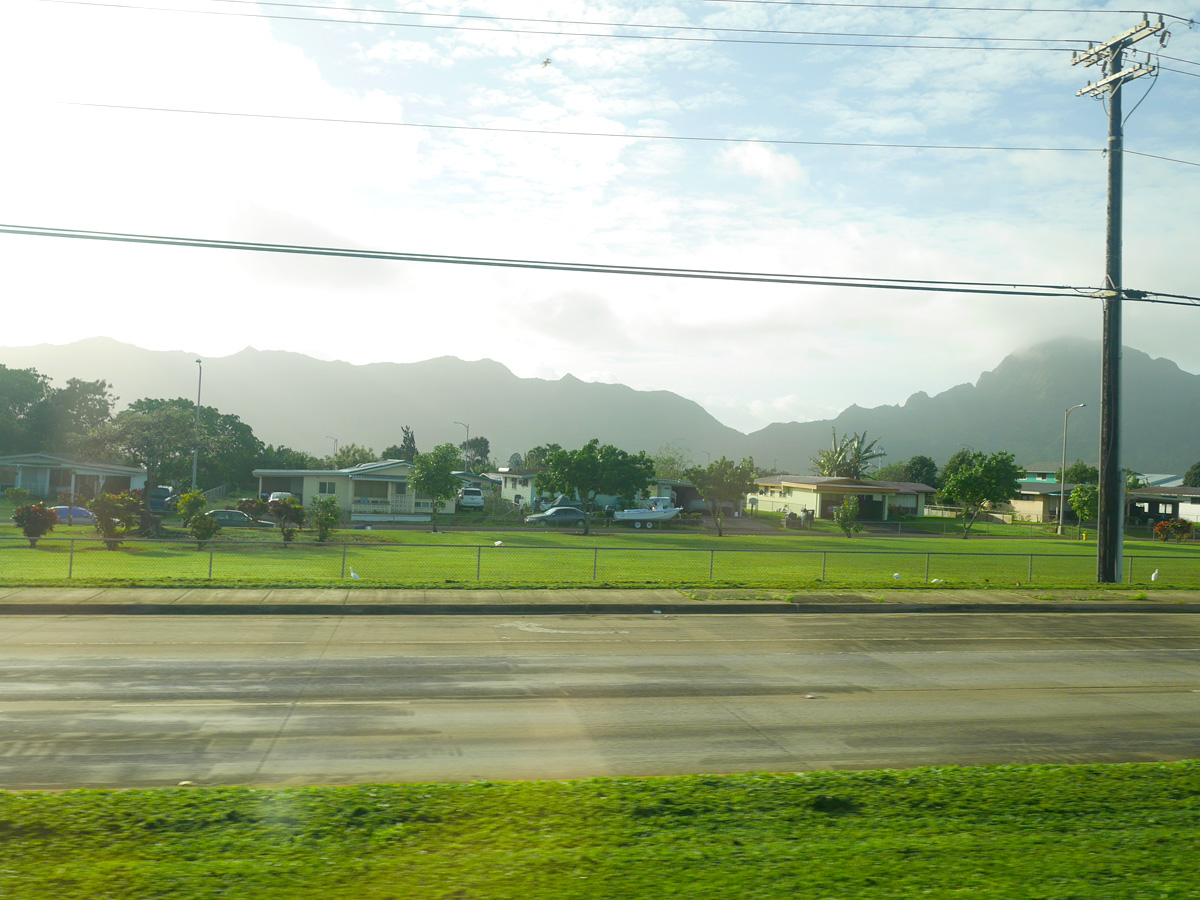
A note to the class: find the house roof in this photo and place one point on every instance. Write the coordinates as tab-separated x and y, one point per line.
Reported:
825	483
909	487
47	460
372	470
1173	493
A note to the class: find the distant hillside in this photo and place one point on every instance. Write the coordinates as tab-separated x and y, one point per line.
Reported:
292	399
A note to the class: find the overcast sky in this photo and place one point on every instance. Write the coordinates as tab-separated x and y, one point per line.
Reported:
750	353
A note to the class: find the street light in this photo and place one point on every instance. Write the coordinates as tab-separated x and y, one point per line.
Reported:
1062	490
196	446
466	465
332	438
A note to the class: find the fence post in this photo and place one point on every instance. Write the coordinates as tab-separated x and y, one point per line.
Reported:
343	560
1130	558
210	560
1030	579
71	560
595	561
824	556
927	568
478	561
712	555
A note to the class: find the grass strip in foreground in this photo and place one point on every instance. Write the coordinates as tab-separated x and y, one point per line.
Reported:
1096	831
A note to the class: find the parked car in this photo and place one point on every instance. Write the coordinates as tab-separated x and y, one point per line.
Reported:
278	495
73	515
161	498
470	498
558	515
235	518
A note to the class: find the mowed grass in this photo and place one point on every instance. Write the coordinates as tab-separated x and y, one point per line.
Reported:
540	558
1047	832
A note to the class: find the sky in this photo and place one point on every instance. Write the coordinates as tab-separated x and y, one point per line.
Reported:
211	119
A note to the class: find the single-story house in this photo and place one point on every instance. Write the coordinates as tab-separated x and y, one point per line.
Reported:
45	475
1158	503
370	492
519	486
821	494
1038	501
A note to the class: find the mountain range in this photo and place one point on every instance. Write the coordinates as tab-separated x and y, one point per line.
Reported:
306	403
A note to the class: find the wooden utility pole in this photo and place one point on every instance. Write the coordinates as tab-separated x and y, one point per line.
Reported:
1110	524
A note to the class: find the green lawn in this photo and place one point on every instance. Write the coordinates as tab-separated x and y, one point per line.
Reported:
1004	833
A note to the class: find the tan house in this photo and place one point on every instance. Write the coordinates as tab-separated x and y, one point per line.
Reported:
822	494
371	492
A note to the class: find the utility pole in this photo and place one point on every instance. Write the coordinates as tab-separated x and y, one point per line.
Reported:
1110	520
196	448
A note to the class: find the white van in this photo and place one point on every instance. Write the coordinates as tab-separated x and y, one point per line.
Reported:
470	498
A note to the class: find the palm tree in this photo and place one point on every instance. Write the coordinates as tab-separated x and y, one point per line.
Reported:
850	457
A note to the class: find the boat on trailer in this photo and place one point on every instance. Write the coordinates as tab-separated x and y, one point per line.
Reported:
658	511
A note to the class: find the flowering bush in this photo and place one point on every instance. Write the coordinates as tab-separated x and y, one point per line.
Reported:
116	516
35	520
1179	529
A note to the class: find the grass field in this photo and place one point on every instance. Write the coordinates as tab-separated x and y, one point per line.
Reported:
618	558
1047	832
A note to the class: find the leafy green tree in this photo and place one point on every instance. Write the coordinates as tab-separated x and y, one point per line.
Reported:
254	507
845	516
671	462
851	456
1078	472
408	444
1085	501
351	455
433	476
17	495
475	453
64	416
229	450
723	481
893	471
1192	478
116	516
982	482
191	505
289	515
34	520
203	528
595	469
324	514
957	460
282	457
21	390
921	470
515	461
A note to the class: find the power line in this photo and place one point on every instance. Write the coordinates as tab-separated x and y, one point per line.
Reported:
603	134
900	284
999	9
561	33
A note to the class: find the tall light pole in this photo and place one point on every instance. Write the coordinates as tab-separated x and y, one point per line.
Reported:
1062	488
332	438
466	465
196	446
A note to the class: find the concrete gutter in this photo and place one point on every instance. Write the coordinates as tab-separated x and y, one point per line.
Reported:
156	601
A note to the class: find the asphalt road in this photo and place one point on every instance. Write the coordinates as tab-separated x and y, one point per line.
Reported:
158	700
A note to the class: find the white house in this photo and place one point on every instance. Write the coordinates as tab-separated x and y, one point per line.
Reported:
371	492
45	475
821	494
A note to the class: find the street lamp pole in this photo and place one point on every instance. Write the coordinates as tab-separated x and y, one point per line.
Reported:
466	465
1062	488
196	446
332	438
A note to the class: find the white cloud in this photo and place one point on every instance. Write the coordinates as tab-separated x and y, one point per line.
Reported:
762	162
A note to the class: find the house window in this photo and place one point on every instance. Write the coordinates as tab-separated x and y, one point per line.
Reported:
401	489
326	487
370	490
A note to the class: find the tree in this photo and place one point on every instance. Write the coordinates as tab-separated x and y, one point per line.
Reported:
21	390
433	476
1078	472
66	415
156	439
351	455
671	462
982	482
116	516
288	513
325	515
254	507
846	516
849	457
475	452
229	450
203	528
34	520
893	471
191	505
723	481
593	470
515	461
1192	478
921	470
282	457
1085	501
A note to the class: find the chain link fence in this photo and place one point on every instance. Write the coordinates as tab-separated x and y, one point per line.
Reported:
235	562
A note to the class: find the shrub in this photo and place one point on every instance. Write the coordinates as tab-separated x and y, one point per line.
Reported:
324	515
17	495
254	507
201	527
116	516
1179	529
35	520
289	514
191	505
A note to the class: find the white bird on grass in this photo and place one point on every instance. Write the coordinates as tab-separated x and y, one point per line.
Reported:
354	574
937	581
499	543
896	575
1154	575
